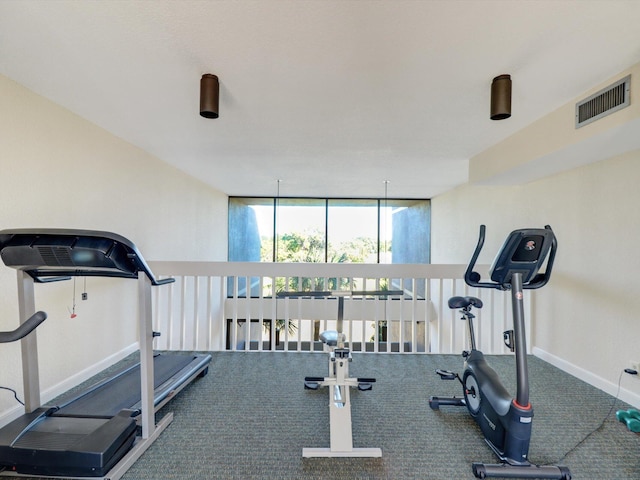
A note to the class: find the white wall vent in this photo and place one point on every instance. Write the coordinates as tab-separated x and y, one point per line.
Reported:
608	100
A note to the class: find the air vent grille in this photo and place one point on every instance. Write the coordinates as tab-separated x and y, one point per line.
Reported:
603	103
55	256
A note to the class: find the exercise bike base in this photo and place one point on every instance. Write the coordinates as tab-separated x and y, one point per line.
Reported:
354	452
504	470
435	402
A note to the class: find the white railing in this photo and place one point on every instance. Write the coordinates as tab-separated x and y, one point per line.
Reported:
207	308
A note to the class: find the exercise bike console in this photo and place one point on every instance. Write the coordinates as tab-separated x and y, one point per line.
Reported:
523	252
505	421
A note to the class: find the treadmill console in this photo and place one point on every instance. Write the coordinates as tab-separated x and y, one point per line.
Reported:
59	253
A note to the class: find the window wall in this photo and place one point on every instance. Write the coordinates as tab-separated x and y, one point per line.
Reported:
329	230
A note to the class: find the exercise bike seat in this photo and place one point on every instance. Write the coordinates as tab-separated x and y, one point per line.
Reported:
464	302
332	337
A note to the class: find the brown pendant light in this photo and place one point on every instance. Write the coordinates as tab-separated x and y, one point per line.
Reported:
501	97
209	93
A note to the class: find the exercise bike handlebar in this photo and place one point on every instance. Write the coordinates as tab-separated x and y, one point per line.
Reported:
541	279
24	329
473	278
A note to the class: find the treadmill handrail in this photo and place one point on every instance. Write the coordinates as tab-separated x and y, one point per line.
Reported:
24	329
42	272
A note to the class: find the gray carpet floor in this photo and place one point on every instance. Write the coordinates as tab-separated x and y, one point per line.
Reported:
250	417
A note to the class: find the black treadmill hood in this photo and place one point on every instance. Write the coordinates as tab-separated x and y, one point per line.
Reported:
49	254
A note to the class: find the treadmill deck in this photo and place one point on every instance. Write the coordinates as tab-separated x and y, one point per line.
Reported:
93	430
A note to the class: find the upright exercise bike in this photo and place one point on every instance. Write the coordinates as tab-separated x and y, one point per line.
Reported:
338	380
505	421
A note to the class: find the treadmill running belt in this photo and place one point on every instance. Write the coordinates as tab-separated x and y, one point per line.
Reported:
123	392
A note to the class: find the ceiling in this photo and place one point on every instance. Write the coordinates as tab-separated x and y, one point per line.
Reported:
332	98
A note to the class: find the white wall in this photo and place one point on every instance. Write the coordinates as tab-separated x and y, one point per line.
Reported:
58	170
585	319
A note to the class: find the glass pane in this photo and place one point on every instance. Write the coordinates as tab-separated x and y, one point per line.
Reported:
352	231
406	231
250	229
250	239
300	230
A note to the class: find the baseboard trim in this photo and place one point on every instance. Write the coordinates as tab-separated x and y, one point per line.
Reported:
67	384
611	388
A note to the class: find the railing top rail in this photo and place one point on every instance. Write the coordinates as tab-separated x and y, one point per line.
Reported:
344	270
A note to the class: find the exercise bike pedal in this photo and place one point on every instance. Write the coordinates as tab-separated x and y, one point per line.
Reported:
312	383
365	384
446	374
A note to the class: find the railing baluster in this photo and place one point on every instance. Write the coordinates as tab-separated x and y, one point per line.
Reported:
196	314
156	316
247	313
298	318
209	312
222	318
260	311
403	325
414	317
274	315
441	315
171	317
183	320
234	317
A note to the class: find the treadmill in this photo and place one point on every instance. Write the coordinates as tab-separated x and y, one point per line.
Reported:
101	431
